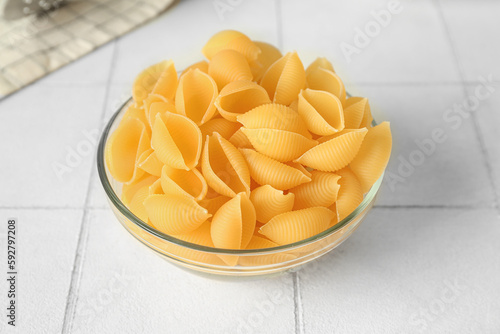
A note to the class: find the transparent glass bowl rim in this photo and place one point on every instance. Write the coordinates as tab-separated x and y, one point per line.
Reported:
115	200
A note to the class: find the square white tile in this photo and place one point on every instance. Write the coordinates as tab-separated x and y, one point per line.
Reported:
126	287
406	44
408	271
46	245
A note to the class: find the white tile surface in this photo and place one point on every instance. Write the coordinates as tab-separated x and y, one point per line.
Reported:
398	264
127	288
411	48
46	244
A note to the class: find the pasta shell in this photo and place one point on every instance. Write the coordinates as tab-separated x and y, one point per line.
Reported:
233	40
265	170
298	166
181	182
173	214
261	260
269	54
228	66
321	191
350	193
195	96
278	144
214	204
221	125
321	111
320	62
284	79
201	65
176	140
323	79
240	140
147	80
335	153
238	97
357	111
155	189
295	105
166	85
224	167
274	116
133	111
373	156
269	202
136	205
156	108
124	148
129	190
148	162
297	225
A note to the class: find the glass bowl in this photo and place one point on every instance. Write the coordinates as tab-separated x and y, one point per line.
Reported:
202	259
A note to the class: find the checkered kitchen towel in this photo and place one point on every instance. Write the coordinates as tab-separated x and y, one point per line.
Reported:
36	45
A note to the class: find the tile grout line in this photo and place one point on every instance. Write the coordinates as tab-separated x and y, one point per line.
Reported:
475	123
76	273
297	301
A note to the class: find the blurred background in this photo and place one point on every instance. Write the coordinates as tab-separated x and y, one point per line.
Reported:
424	261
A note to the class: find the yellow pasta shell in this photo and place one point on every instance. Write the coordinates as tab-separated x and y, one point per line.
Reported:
265	170
155	189
373	156
214	204
321	191
297	225
261	260
321	111
274	116
182	182
270	202
278	144
227	66
238	97
221	125
147	80
269	54
166	85
298	166
320	62
175	214
136	205
233	40
156	108
284	79
176	140
323	79
240	140
335	153
195	96
129	189
148	162
133	111
354	112
201	65
350	193
224	167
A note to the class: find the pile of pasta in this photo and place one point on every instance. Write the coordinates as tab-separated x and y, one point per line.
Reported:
246	149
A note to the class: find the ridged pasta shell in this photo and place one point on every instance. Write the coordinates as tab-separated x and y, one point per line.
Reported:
298	166
265	170
335	153
146	81
357	113
173	214
124	148
261	260
321	111
136	205
214	204
350	193
133	111
269	54
233	40
321	191
182	182
148	162
240	140
129	190
166	85
278	144
274	116
238	97
195	96
297	225
201	65
284	79
320	62
224	167
221	125
176	140
323	79
373	156
228	66
155	188
156	108
270	202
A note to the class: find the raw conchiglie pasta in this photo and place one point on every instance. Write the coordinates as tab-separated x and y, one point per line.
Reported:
270	202
297	225
335	153
167	81
373	155
274	116
321	191
124	148
183	182
357	113
238	97
278	144
133	111
298	166
239	139
201	65
173	214
323	79
261	260
233	40
136	204
147	79
176	140
228	66
265	170
221	125
350	193
321	111
195	96
269	54
284	79
129	189
155	188
224	167
320	62
213	204
149	163
156	108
